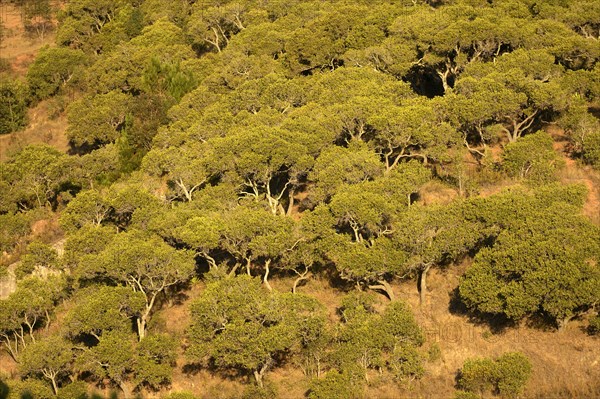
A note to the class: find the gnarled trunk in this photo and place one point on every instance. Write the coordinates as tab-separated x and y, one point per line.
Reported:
385	287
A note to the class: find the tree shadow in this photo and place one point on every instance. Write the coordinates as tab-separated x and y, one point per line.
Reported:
496	323
4	390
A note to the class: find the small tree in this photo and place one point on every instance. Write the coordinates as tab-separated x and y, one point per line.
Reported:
238	325
50	357
506	375
13	105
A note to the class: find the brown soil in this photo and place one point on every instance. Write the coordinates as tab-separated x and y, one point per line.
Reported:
574	172
47	123
18	46
565	364
41	129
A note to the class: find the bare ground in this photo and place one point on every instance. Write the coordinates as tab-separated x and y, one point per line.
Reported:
47	123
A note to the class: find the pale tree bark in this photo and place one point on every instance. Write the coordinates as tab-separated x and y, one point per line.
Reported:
385	287
423	283
266	276
301	276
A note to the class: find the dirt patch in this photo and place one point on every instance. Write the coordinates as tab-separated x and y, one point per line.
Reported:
574	172
18	46
44	127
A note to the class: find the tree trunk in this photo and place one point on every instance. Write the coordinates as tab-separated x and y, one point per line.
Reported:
259	374
301	276
423	285
266	276
126	388
562	323
290	206
385	287
54	386
141	327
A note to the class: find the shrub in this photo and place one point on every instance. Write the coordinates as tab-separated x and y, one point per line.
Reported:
335	385
506	375
594	326
478	375
531	158
514	369
13	105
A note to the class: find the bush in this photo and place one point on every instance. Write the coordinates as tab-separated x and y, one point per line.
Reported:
506	375
532	158
180	395
466	395
13	105
75	390
478	375
591	149
514	369
594	326
335	385
268	391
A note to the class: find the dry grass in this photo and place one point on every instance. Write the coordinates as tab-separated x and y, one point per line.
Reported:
20	50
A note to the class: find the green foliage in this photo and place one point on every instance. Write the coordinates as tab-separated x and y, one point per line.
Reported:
237	325
13	104
39	256
506	375
29	388
35	175
594	325
98	119
543	263
335	385
128	364
386	341
478	375
50	358
267	391
13	227
145	263
180	395
514	371
102	309
74	390
466	395
532	158
53	69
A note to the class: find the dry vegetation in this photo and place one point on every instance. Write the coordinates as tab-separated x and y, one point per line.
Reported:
47	122
565	364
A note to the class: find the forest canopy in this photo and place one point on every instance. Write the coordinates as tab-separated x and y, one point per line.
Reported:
224	155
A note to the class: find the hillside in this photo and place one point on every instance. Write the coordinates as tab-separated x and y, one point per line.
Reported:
262	199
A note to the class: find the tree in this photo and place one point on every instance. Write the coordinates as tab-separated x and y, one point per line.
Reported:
146	264
235	324
53	69
543	263
524	85
38	16
336	166
385	341
93	26
97	120
267	162
128	364
102	309
26	308
50	357
13	105
35	175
